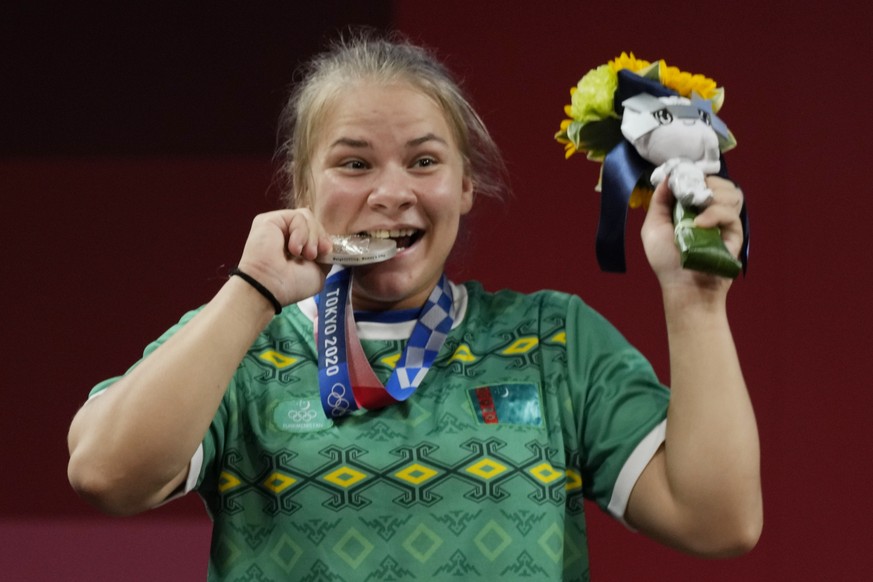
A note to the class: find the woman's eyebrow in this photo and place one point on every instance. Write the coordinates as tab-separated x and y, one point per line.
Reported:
354	143
424	139
362	143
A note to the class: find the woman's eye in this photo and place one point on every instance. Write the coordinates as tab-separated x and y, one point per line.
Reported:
704	117
355	165
425	162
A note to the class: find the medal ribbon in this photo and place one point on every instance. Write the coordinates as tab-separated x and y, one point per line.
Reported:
334	381
346	379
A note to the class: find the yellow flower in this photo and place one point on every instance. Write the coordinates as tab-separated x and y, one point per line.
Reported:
628	61
561	137
685	83
640	197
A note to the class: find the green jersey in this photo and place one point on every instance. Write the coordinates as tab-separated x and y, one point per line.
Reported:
533	403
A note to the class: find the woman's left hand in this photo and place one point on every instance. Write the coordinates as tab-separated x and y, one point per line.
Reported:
658	238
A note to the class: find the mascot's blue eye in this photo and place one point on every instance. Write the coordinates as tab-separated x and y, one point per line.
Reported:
704	117
663	117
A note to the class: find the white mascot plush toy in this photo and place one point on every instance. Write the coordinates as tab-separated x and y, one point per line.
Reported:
677	136
683	139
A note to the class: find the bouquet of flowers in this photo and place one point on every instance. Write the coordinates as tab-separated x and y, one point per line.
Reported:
622	114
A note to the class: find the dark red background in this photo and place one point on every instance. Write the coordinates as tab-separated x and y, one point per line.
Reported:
137	145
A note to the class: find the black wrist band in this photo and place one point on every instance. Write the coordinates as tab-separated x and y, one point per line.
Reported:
260	288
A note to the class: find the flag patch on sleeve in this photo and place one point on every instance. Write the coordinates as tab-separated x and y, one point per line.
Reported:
517	404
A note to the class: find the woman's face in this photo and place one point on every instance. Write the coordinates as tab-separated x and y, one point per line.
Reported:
386	164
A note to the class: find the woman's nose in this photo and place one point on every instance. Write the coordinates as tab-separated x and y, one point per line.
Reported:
393	192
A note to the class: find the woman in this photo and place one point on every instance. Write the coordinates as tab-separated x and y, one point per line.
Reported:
477	467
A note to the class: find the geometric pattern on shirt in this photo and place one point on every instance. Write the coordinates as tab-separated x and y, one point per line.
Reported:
520	346
278	360
575	496
524	566
417	475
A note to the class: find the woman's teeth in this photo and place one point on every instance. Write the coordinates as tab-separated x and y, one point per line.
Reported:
390	233
404	237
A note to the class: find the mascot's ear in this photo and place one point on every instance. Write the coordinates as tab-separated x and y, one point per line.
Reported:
631	84
725	138
637	119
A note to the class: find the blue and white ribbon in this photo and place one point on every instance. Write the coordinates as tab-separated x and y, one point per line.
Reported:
338	343
428	336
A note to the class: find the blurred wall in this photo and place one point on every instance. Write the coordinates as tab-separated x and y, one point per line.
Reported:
136	145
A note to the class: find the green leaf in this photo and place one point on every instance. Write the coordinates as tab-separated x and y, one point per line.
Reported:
652	72
599	137
702	249
573	131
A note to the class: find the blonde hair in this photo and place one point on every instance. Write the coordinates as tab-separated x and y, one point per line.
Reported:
363	56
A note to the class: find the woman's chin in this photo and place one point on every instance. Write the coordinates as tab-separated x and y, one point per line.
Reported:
381	289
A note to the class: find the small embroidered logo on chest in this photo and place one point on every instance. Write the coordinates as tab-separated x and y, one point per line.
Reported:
301	415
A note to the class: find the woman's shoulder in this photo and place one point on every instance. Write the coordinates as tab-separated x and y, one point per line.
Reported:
503	299
544	304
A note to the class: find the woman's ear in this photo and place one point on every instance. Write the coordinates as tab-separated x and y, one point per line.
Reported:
467	194
302	188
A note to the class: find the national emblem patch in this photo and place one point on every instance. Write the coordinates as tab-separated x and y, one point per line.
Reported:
515	404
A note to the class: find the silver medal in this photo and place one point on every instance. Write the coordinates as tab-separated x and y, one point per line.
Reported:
352	250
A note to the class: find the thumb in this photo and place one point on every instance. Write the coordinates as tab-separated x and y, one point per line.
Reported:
661	204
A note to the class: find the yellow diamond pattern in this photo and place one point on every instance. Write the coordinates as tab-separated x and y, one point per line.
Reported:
559	338
463	354
227	481
415	474
391	361
521	345
277	359
345	477
545	473
278	482
574	480
486	468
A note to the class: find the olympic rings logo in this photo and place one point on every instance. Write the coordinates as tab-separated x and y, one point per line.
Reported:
305	415
337	400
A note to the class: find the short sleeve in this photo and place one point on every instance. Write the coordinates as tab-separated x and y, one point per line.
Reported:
619	407
148	350
205	454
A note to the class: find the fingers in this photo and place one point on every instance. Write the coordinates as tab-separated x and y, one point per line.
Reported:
722	213
281	235
306	237
662	197
660	212
280	252
724	210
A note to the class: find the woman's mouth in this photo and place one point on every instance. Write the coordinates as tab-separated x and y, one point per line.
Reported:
404	237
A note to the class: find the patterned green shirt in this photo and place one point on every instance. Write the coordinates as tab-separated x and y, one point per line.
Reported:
534	402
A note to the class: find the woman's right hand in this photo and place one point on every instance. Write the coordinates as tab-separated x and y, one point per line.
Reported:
280	253
162	408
